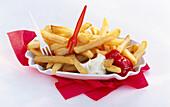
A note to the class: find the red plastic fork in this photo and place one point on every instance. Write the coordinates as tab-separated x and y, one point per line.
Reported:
73	40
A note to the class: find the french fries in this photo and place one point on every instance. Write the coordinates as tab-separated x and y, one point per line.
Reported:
49	42
57	46
114	69
85	26
87	54
49	65
56	67
130	56
94	31
69	68
93	37
81	58
61	51
89	45
108	62
53	37
77	65
63	31
35	52
33	45
114	42
99	41
54	59
101	52
92	44
48	28
83	38
86	32
104	28
126	42
133	48
139	52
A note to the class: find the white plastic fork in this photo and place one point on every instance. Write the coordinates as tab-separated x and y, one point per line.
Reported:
43	45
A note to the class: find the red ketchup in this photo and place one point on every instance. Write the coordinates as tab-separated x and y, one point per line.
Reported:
120	61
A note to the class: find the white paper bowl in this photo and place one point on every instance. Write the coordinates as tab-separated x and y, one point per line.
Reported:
141	63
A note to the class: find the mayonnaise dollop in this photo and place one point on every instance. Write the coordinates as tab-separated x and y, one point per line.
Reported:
95	66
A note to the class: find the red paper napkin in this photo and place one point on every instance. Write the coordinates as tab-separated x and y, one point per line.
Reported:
94	89
19	40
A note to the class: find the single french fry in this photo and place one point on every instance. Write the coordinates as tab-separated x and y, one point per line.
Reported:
61	51
93	37
60	29
132	48
56	67
139	52
57	46
81	58
127	54
114	33
54	59
89	35
135	48
54	37
49	65
87	54
97	42
86	32
94	31
101	52
63	31
69	68
108	62
82	37
115	42
85	26
114	69
48	28
104	28
77	65
33	45
92	44
49	42
121	47
35	52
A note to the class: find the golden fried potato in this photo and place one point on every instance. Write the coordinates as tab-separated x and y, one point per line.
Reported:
139	52
97	42
69	68
94	31
56	67
63	31
54	59
126	53
126	42
54	37
114	69
85	26
104	28
87	54
77	65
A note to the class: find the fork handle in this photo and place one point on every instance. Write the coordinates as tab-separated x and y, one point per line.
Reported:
37	30
80	21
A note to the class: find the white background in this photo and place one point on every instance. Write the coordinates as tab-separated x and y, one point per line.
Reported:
142	19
